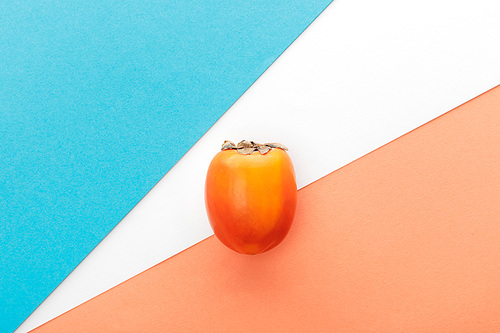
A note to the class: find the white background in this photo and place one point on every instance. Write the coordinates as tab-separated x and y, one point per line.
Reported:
364	73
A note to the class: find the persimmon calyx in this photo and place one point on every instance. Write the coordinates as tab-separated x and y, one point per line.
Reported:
245	147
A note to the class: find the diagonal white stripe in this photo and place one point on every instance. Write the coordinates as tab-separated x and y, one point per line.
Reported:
364	73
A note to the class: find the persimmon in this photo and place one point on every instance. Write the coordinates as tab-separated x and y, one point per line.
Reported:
251	195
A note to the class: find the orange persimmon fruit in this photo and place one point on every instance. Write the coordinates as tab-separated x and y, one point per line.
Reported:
251	195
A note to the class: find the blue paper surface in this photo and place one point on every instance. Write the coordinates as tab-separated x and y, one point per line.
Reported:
98	100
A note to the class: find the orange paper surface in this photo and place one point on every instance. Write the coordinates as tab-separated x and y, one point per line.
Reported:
405	239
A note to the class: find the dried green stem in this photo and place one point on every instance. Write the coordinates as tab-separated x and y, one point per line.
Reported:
247	147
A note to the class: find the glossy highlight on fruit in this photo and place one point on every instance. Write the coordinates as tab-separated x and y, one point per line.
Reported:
251	195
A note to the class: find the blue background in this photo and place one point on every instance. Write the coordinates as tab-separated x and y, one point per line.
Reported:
98	100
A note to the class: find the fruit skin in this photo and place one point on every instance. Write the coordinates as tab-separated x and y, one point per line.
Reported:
251	199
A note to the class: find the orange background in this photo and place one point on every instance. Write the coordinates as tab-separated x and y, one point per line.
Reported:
405	239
